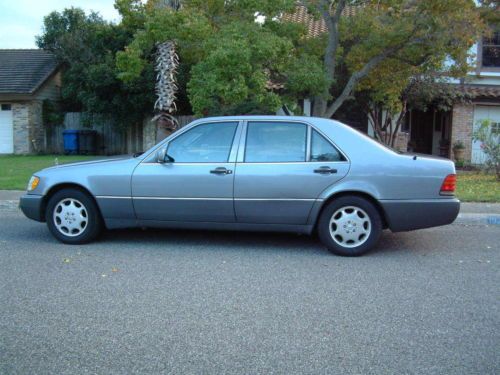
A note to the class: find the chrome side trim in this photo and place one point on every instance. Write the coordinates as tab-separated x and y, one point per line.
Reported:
111	197
277	199
185	199
211	199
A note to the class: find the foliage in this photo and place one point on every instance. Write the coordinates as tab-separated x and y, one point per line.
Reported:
387	114
51	113
458	145
86	46
229	59
386	43
490	144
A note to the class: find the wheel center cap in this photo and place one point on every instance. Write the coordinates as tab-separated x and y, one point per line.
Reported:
350	226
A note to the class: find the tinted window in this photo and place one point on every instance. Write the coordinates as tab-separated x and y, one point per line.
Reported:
275	142
206	143
322	150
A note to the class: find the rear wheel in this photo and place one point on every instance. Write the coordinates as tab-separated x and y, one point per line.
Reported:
349	226
73	217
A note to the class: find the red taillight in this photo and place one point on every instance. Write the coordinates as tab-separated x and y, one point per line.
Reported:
449	185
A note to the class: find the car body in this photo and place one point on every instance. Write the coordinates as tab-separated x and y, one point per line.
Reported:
276	173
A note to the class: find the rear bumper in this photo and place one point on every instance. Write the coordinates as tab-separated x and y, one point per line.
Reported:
32	206
405	215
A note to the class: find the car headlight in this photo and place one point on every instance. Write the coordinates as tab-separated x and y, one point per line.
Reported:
33	183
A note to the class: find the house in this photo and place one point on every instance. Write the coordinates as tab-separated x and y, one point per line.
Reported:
27	78
434	132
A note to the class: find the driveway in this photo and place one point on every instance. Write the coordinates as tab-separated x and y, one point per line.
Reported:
143	302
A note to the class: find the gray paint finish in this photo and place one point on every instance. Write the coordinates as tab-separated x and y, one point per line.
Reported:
138	191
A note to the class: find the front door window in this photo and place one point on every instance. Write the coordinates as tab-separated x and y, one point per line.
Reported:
206	143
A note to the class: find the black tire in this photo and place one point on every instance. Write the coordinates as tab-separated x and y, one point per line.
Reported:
93	224
375	225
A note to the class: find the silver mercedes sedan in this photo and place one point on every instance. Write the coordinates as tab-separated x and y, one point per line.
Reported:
260	173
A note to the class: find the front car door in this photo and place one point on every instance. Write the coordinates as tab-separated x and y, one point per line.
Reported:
282	168
196	181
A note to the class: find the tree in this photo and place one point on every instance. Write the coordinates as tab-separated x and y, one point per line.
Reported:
387	110
227	58
86	46
403	38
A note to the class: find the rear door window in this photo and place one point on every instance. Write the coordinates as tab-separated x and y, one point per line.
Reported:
323	150
271	142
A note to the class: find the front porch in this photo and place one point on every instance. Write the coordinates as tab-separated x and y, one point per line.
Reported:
430	132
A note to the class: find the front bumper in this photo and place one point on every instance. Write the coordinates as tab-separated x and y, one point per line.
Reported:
405	215
32	206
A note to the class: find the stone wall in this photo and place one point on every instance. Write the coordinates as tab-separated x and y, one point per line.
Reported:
462	127
37	130
21	119
29	133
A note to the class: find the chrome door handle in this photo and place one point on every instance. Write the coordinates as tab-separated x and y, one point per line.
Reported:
221	170
325	170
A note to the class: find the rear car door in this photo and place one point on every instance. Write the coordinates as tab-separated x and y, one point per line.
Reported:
197	183
282	168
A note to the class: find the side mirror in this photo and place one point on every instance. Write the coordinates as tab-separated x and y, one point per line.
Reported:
161	154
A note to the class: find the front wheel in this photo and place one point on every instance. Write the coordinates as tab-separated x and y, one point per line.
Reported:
73	217
350	226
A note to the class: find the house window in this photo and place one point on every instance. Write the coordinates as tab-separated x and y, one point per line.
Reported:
491	51
6	107
495	128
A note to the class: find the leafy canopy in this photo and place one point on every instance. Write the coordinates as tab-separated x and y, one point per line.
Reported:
227	58
86	46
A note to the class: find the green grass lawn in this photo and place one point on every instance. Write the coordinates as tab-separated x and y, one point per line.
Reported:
16	170
477	187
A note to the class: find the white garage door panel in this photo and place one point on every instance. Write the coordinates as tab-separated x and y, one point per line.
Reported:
491	113
6	133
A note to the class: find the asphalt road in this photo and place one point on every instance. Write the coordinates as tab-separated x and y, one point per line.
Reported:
140	302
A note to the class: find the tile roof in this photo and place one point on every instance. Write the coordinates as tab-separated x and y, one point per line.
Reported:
23	71
314	26
481	91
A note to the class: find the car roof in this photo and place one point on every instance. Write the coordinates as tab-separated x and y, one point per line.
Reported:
265	117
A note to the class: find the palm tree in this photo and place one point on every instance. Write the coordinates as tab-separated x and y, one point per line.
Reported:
166	65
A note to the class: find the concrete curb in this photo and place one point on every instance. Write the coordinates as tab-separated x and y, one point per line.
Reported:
478	219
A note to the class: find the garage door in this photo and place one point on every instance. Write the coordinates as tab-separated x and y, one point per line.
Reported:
491	113
6	130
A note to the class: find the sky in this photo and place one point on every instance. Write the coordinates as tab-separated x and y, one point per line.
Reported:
22	20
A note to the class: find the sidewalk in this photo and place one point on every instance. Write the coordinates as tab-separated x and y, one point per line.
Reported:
470	213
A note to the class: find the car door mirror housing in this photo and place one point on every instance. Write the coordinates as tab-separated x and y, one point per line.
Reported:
161	155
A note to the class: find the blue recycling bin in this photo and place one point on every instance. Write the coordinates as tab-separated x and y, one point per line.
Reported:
70	139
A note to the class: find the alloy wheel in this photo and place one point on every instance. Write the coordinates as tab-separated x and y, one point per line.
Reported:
350	226
70	217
